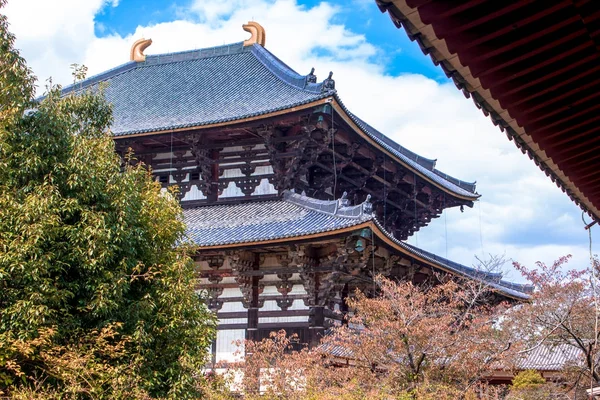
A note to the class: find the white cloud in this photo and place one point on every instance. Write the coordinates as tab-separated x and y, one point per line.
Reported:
521	214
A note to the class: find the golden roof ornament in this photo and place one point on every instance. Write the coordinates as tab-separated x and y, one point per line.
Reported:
137	50
257	32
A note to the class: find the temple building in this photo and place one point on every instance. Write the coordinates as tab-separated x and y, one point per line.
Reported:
294	201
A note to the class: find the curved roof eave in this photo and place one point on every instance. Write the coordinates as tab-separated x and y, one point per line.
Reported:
434	176
349	219
409	18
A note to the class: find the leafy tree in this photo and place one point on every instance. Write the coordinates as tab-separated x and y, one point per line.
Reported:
409	342
530	385
96	284
563	313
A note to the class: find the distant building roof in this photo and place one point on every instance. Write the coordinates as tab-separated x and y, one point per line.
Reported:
224	84
296	216
549	357
544	358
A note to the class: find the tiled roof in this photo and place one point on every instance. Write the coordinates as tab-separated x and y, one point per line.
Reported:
549	357
221	84
199	87
424	165
268	220
296	216
545	358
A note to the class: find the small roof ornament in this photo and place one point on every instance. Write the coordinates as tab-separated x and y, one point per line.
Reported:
367	205
137	50
257	32
311	77
329	83
344	201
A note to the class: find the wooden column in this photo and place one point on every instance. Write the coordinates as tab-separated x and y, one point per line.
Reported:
253	306
214	179
344	305
316	321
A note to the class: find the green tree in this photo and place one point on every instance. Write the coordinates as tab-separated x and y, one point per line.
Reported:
530	385
96	284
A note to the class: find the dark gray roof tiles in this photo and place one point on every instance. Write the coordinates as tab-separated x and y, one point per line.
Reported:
221	84
551	357
297	215
546	358
199	87
267	220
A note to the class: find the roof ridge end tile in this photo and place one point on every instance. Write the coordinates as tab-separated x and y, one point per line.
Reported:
283	71
338	208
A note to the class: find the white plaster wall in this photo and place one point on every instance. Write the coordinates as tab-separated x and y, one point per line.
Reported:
194	194
232	191
272	320
226	347
232	173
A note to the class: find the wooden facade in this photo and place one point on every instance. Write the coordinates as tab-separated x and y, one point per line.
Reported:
303	151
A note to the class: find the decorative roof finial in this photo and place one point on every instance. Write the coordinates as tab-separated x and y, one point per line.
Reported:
344	201
367	205
328	84
257	32
137	50
311	77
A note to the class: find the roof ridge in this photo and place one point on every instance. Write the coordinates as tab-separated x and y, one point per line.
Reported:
283	71
196	54
102	76
340	207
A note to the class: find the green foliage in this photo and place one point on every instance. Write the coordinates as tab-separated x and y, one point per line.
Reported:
530	385
527	379
96	285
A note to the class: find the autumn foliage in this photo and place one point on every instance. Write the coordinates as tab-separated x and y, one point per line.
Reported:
424	342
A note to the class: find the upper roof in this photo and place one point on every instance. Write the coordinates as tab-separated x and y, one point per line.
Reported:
296	216
200	87
229	83
533	67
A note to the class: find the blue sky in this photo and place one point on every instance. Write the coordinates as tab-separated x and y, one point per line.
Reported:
398	56
381	76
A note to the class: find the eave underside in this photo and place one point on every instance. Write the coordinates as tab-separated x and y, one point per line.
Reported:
302	149
533	67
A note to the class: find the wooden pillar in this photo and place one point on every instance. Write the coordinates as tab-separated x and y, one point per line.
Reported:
344	305
316	326
253	306
214	179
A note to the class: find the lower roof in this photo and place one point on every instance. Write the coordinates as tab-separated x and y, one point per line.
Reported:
296	217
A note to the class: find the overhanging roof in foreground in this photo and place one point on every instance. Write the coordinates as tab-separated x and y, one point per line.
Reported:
533	66
296	217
